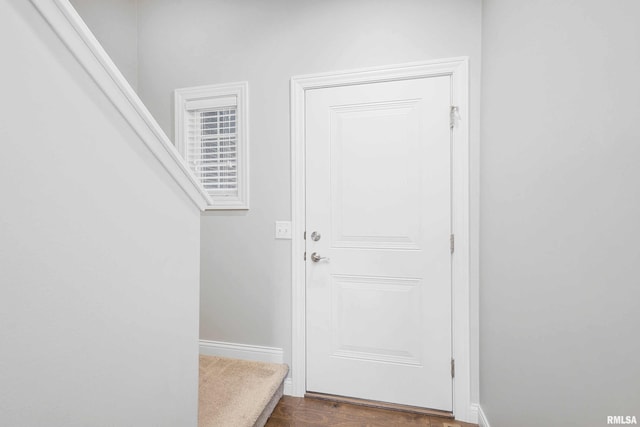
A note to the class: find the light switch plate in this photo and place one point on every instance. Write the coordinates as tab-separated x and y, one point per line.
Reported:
283	230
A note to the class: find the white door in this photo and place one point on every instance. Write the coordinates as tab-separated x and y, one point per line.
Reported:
378	197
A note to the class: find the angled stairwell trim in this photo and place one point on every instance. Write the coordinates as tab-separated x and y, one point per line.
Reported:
76	36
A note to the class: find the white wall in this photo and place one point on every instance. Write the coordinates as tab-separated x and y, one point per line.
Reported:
99	252
115	25
246	279
560	209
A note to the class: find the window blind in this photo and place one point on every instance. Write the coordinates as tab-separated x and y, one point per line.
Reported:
212	150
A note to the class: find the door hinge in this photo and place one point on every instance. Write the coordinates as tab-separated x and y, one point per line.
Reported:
454	116
305	256
453	368
452	243
304	236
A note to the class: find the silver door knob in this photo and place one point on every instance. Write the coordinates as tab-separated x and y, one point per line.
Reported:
315	257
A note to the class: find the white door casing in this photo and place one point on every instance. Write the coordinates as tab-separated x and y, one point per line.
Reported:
378	307
456	70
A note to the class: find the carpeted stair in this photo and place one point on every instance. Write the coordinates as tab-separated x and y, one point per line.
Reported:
238	393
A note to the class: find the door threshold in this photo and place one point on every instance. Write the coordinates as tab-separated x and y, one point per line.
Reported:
380	405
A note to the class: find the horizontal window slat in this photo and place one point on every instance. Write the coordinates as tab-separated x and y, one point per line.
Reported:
210	103
211	143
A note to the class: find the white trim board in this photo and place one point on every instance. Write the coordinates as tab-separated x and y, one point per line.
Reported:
458	69
482	418
71	29
288	387
473	413
254	353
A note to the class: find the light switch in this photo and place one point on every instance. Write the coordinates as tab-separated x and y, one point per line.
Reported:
283	230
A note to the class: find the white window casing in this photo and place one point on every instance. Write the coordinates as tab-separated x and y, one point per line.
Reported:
211	124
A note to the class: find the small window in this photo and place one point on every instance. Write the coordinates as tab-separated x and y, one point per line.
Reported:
211	135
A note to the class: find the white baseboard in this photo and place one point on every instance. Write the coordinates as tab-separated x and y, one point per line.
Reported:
482	418
472	415
288	387
255	353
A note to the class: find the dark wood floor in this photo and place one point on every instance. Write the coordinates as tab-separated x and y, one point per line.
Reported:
298	411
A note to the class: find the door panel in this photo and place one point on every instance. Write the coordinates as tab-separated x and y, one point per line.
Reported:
357	302
379	193
374	204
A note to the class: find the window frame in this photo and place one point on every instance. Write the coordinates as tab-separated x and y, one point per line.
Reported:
202	94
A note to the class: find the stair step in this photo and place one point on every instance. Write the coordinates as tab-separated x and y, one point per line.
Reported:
238	393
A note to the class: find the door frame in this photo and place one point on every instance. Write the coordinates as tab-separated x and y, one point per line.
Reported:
458	69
